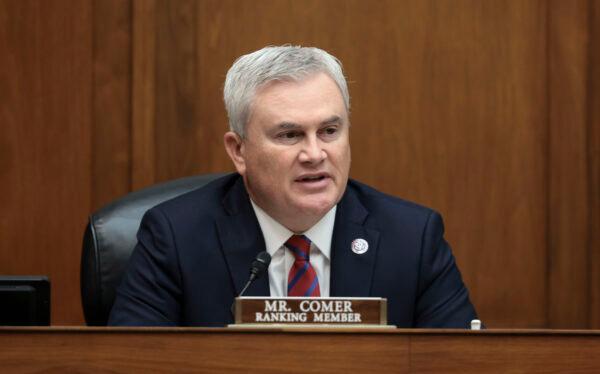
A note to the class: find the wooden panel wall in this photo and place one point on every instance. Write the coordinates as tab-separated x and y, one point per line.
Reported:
111	101
593	161
486	111
45	143
567	159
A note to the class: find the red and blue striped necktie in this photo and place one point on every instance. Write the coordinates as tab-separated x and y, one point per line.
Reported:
302	280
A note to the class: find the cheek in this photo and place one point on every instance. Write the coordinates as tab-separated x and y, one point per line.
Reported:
278	159
342	158
349	158
273	166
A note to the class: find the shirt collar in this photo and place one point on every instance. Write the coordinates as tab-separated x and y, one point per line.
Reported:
276	234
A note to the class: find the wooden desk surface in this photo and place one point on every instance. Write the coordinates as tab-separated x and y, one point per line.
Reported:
86	349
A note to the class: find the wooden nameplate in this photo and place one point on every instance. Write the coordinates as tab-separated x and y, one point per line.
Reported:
343	311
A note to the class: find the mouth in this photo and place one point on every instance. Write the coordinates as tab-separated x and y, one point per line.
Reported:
312	178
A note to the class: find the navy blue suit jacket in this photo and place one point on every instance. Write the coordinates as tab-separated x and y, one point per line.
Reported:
194	253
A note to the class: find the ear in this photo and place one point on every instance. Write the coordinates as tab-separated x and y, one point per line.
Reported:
235	149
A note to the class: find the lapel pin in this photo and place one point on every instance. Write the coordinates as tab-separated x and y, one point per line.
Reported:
360	246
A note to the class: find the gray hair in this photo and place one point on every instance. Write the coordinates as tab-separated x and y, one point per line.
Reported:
249	72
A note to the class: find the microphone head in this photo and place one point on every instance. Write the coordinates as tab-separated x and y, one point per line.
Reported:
260	264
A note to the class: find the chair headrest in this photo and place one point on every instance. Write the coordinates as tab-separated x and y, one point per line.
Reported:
110	237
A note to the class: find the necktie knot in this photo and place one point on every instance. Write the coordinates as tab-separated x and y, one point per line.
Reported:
300	247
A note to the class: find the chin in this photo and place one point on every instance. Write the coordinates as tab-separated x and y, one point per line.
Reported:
316	208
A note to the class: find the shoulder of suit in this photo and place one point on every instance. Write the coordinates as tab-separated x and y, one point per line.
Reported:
378	202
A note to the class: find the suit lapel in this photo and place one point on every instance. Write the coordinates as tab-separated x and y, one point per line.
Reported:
351	273
241	240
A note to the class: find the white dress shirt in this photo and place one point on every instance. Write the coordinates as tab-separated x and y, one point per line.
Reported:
282	259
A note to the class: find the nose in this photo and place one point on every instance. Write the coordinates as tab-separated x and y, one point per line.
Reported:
312	151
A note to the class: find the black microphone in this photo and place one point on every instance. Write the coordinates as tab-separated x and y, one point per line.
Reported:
258	268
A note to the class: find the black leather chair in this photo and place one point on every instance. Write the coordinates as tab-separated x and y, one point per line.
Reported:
110	237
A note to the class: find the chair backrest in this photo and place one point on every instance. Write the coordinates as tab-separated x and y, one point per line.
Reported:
110	237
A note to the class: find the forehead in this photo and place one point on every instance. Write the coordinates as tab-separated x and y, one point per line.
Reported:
311	99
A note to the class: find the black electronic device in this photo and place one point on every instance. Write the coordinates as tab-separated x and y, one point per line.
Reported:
24	300
257	269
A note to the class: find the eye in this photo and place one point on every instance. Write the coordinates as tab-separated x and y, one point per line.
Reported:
330	132
289	136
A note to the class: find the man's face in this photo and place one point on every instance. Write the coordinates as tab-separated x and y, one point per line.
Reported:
295	156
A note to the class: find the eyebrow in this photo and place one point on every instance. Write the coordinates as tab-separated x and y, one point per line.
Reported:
291	125
287	126
331	120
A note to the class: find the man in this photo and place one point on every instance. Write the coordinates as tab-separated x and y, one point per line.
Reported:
328	236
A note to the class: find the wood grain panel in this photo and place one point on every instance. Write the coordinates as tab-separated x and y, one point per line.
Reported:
341	350
203	352
111	134
504	354
142	101
593	146
176	90
45	119
568	281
